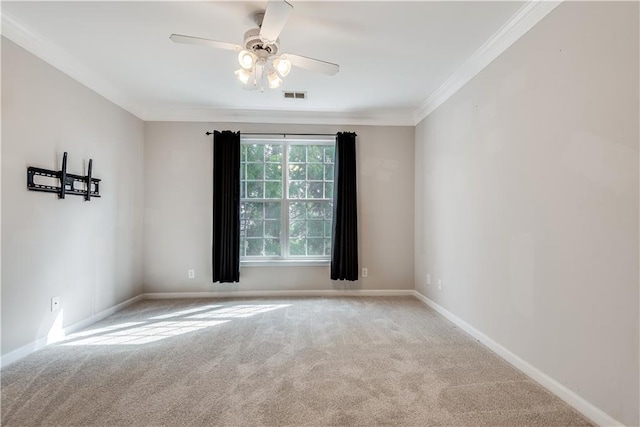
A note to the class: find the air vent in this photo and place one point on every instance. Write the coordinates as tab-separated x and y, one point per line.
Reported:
295	95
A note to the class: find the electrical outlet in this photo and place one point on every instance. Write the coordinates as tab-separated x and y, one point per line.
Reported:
55	303
191	274
365	272
439	284
428	279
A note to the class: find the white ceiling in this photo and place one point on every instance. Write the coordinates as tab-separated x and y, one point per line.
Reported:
392	55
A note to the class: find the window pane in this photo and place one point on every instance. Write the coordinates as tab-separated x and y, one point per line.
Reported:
252	210
273	153
255	153
255	171
297	229
254	228
272	210
297	189
273	171
315	246
255	190
328	172
272	247
328	210
254	247
297	247
315	228
297	153
327	247
272	228
297	210
243	153
315	153
327	228
314	190
297	172
273	190
314	172
328	190
329	154
315	209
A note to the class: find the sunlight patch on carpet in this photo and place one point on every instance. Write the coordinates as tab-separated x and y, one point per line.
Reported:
147	333
239	311
172	324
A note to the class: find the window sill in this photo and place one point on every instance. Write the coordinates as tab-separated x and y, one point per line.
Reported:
286	263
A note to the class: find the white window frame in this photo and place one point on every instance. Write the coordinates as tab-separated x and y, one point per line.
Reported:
283	259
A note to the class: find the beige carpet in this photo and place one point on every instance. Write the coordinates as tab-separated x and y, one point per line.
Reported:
299	361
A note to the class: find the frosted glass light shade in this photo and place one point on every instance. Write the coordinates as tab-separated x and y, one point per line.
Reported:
282	66
274	80
243	75
246	59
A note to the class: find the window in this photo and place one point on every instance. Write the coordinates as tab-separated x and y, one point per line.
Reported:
286	216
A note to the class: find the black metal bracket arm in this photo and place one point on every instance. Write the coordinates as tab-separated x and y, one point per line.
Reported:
69	183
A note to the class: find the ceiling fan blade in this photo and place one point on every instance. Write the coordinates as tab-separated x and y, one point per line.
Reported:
179	38
275	17
313	64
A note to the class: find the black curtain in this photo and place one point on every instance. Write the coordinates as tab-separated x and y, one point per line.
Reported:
226	206
344	239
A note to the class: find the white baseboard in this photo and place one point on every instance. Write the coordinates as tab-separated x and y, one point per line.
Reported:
282	294
99	316
25	350
586	408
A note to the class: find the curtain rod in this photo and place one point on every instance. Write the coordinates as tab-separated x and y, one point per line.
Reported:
281	133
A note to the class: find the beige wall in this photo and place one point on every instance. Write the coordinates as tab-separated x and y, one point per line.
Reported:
178	204
527	202
88	253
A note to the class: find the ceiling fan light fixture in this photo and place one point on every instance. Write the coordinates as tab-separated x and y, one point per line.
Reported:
274	80
246	59
259	56
282	66
243	75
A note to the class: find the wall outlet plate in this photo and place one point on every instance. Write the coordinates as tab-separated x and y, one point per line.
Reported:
191	274
428	279
365	272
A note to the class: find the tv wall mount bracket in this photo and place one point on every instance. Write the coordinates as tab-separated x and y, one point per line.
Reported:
69	183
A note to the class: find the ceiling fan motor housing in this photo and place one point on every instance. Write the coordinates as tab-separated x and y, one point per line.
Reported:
253	43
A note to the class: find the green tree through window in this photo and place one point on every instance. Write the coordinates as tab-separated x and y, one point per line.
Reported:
286	190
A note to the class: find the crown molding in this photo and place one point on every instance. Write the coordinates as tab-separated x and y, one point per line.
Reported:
196	114
523	20
54	55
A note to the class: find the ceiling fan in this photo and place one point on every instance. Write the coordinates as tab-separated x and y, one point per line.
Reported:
260	56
